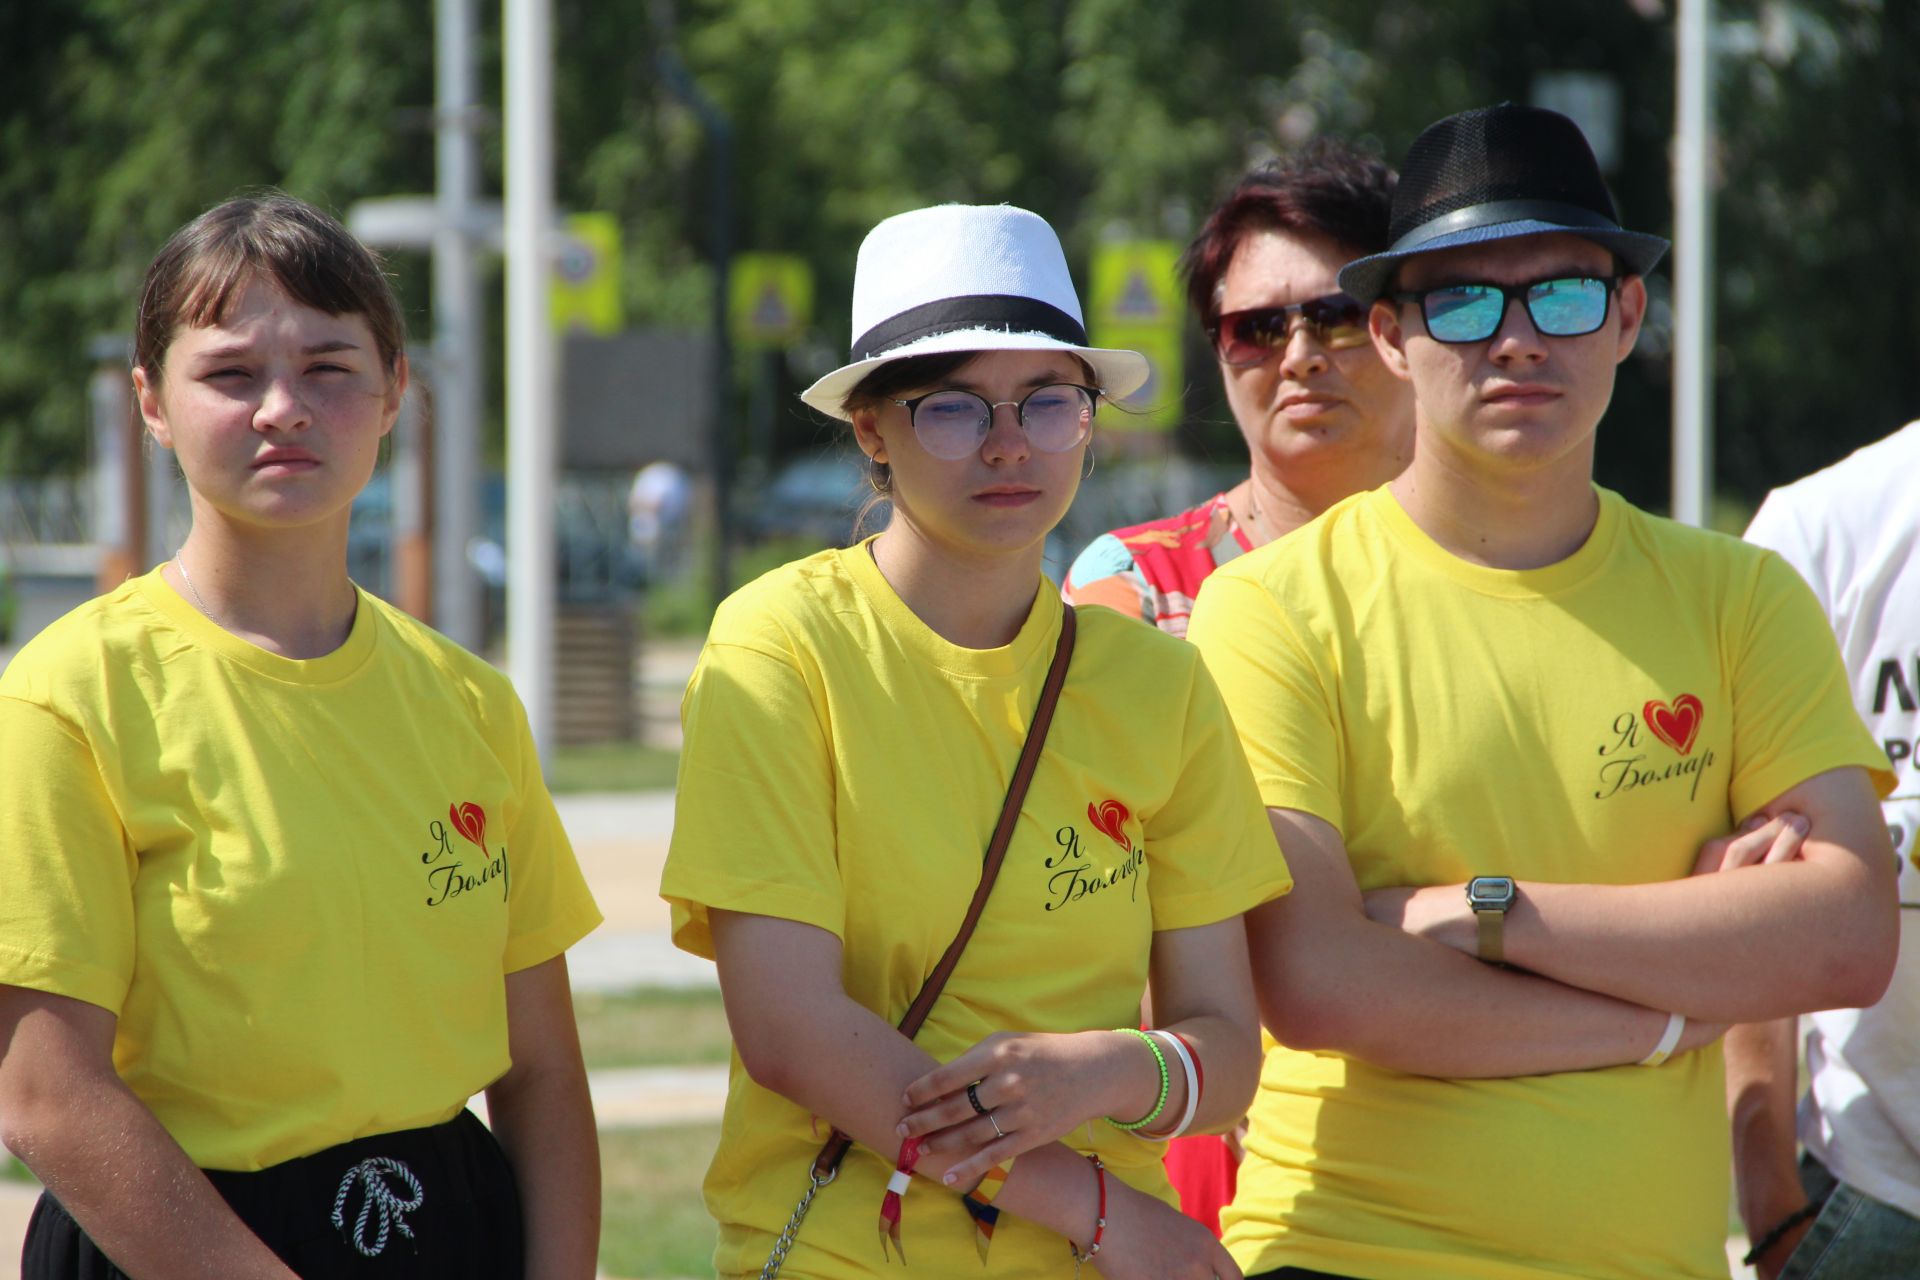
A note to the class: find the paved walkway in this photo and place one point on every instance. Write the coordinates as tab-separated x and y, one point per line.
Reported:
621	841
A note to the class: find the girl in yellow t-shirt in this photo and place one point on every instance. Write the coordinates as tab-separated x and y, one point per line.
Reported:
850	733
283	886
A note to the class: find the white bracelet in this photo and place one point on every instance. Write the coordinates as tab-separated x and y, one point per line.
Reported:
1668	1039
1193	1084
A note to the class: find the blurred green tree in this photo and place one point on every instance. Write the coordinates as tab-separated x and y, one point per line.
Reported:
119	120
1106	116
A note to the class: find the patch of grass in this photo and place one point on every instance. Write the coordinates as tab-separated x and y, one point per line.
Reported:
683	606
679	608
613	766
11	1170
655	1224
655	1027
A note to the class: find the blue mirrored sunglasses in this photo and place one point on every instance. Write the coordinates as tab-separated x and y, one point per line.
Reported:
1563	307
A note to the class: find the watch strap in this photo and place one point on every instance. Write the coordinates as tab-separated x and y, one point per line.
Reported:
1493	927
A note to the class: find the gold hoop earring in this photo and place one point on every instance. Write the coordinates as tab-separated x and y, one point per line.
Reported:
879	477
1090	463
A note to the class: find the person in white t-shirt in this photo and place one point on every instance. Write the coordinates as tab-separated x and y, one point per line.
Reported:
657	506
1851	1210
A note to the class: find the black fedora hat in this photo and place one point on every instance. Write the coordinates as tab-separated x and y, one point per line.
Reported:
1495	173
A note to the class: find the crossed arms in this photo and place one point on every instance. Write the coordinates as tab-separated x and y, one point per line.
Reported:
1771	923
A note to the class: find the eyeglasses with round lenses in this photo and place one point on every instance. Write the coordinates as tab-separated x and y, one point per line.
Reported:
952	423
1243	338
1563	307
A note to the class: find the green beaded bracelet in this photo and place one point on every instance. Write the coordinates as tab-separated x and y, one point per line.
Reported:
1165	1082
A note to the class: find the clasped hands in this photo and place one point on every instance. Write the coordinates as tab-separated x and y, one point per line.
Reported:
1015	1091
1033	1089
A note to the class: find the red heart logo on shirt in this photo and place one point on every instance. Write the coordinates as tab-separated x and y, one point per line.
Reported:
1109	819
1676	724
470	820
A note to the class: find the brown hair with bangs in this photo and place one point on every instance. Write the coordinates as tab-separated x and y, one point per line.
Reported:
270	235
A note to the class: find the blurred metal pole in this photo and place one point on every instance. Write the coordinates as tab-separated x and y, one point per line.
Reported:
1693	269
119	470
458	328
410	572
531	434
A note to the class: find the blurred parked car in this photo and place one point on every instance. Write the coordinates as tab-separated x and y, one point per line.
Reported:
814	497
817	496
590	553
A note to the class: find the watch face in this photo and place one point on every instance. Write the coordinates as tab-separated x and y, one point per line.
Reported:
1490	893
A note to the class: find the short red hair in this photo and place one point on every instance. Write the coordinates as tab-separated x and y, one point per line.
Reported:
1327	189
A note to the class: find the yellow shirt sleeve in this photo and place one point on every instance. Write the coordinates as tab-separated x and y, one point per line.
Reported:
1792	702
1213	850
66	913
753	825
1279	691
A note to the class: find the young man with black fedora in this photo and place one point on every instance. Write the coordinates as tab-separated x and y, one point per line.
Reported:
1505	724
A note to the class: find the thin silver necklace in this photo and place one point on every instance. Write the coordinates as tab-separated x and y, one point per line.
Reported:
194	591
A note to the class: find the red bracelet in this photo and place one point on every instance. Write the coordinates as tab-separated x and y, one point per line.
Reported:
890	1204
1199	1071
1099	1219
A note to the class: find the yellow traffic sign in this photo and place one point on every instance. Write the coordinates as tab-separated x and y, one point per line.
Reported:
586	276
1136	284
1137	303
770	302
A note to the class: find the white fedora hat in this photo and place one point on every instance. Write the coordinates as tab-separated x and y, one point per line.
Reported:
962	277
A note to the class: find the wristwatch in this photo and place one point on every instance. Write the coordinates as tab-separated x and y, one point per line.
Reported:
1490	898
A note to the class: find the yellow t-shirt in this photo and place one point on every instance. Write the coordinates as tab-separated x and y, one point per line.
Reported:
297	883
844	766
1594	722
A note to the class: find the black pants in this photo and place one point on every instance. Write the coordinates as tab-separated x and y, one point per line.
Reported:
449	1186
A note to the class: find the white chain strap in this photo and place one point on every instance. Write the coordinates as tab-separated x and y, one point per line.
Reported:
379	1195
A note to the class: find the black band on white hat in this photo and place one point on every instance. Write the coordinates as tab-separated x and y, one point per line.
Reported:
1571	216
1007	312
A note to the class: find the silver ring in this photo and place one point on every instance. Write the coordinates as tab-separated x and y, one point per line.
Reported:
974	1098
996	1126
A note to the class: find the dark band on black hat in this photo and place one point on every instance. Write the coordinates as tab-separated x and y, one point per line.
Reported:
1573	217
1009	312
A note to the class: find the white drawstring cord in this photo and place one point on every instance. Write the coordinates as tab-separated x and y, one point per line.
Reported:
392	1208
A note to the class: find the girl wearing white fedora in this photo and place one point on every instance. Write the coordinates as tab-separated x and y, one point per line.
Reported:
862	725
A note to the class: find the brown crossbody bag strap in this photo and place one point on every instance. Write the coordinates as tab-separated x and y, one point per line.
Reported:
827	1163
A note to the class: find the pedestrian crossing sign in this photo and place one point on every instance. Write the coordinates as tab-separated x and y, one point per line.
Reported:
1135	283
770	299
1137	305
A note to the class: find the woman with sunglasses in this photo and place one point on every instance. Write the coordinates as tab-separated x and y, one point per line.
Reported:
281	887
850	733
1321	415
